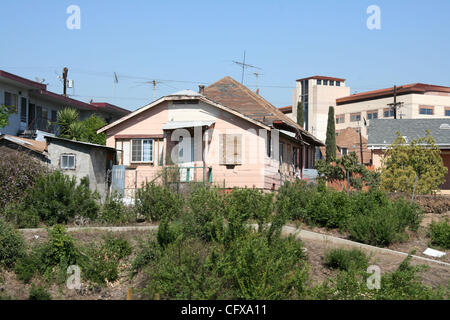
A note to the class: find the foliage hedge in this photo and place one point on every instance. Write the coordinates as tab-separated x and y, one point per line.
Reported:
55	198
439	233
369	217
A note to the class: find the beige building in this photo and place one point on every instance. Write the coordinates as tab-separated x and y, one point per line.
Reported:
418	101
318	93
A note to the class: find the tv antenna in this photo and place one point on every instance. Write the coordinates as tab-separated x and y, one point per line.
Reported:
257	74
244	65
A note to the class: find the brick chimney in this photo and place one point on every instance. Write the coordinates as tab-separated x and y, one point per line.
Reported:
201	89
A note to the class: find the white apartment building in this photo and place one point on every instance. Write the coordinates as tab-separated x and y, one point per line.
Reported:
318	93
418	101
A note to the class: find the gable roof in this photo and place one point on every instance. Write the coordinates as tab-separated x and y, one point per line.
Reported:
182	95
382	132
419	88
233	94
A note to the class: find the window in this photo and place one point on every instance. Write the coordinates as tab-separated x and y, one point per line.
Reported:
23	109
67	161
447	112
344	151
372	115
141	150
354	117
319	81
54	116
426	110
331	82
388	113
230	149
11	100
325	82
338	83
340	118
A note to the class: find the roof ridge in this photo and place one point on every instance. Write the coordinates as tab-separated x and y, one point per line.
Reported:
266	104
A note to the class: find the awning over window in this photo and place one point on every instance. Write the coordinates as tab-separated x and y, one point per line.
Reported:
186	124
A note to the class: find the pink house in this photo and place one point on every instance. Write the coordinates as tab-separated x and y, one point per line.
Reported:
226	135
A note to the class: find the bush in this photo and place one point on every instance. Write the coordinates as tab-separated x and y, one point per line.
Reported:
101	263
18	172
50	259
39	293
346	260
55	198
205	217
439	232
250	268
379	228
405	283
12	245
241	205
115	211
294	197
155	202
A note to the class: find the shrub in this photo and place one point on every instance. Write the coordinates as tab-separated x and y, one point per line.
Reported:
18	172
115	211
56	198
439	233
294	197
379	227
12	245
59	251
50	259
346	260
101	263
26	267
39	293
245	204
205	217
154	202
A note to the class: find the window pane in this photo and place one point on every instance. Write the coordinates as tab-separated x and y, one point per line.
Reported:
447	113
136	150
71	162
63	161
147	150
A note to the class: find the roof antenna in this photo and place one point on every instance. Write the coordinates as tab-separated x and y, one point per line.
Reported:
244	65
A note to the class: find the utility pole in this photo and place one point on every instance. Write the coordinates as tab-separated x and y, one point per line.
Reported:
396	105
244	65
154	89
65	71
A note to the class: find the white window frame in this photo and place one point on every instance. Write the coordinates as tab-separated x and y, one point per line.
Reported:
142	151
67	167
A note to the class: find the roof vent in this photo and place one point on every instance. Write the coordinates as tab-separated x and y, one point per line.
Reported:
445	126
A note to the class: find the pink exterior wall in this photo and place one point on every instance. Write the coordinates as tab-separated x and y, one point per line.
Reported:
253	172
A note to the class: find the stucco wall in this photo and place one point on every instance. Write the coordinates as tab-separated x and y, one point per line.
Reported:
89	161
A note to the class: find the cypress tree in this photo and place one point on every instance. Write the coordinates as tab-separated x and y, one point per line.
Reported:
330	141
300	114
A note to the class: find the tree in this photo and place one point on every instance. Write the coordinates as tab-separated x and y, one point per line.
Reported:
91	125
5	112
72	128
420	159
300	114
65	118
330	141
358	175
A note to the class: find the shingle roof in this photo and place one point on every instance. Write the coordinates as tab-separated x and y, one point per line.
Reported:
233	94
38	146
382	132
